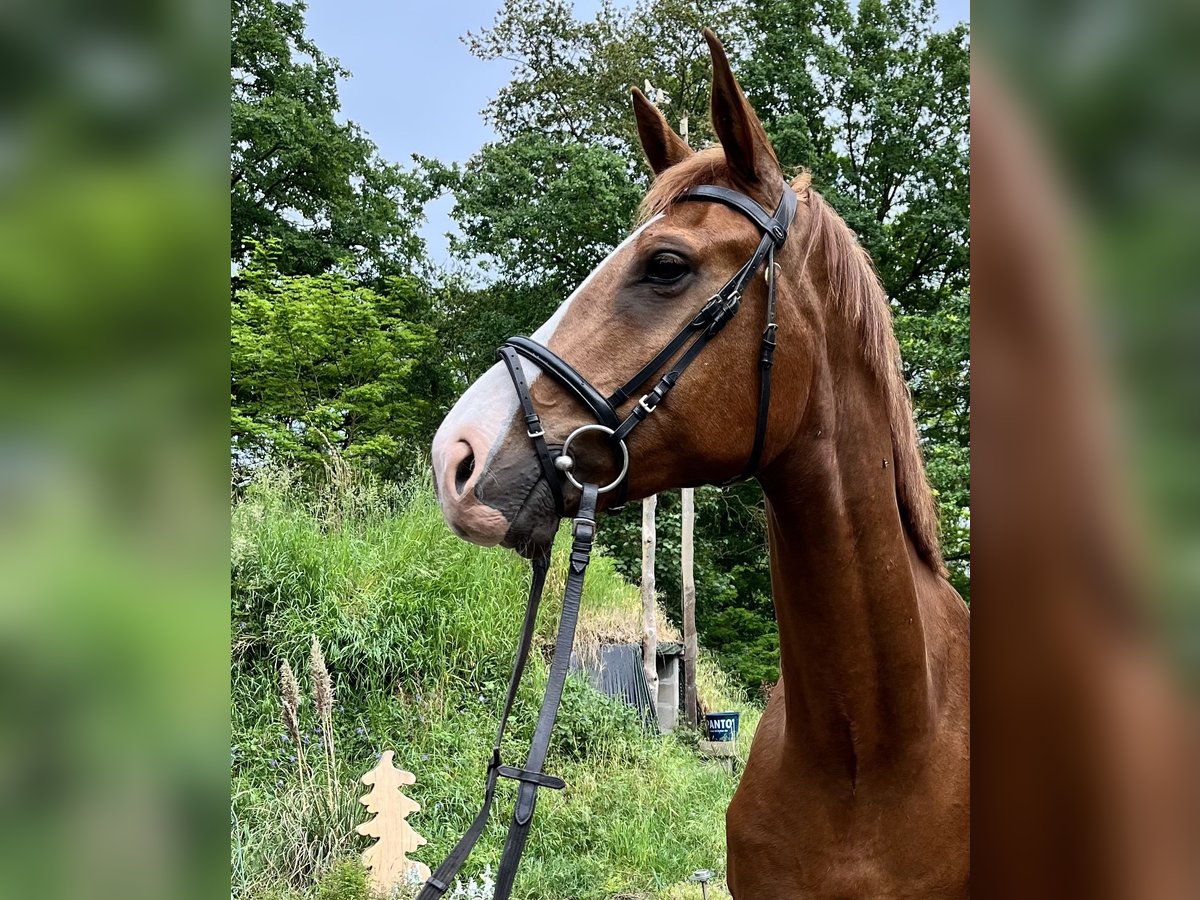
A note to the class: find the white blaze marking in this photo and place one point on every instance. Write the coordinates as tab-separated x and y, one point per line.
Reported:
546	331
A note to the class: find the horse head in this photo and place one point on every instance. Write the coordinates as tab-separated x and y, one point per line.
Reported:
489	482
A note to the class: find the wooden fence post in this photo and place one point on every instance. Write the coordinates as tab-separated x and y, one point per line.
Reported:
649	605
686	559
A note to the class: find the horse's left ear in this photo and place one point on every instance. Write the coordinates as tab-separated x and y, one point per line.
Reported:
742	136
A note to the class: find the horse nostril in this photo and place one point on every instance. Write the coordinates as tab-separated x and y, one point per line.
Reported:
464	471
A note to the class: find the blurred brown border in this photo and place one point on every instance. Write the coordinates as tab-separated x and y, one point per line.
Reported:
1084	442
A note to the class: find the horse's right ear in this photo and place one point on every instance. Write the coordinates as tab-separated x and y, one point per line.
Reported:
662	146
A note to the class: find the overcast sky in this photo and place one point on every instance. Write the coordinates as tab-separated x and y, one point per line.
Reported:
415	87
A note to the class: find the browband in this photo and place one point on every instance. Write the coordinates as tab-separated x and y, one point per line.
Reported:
766	222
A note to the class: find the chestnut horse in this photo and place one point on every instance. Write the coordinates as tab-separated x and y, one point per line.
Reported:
857	781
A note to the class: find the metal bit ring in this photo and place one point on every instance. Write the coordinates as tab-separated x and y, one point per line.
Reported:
568	469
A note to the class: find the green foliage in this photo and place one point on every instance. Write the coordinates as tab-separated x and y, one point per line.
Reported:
537	214
418	629
573	76
320	362
590	725
475	320
344	881
299	175
875	103
540	210
333	337
937	351
735	617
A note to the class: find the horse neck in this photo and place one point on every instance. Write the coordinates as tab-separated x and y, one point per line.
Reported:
847	583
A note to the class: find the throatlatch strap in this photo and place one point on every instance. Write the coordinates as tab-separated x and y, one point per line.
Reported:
766	361
441	880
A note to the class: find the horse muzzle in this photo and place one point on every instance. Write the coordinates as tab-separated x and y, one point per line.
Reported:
489	486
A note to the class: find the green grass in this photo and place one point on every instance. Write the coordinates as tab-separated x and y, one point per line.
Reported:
418	629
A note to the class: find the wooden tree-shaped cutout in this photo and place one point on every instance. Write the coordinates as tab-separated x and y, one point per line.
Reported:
387	859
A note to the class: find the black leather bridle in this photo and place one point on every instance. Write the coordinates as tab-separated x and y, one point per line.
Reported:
683	349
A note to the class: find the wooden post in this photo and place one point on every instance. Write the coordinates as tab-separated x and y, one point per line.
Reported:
687	552
686	558
649	605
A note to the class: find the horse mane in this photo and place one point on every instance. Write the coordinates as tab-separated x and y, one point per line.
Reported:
857	294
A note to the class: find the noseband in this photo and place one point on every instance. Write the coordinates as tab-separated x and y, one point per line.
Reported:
556	466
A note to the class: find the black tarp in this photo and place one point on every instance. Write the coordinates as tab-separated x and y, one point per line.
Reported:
620	674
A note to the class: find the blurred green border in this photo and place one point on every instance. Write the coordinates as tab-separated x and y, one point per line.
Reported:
114	450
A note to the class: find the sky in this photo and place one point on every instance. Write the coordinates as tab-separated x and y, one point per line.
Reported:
415	88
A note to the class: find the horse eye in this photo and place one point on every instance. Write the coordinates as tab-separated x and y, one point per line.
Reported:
666	268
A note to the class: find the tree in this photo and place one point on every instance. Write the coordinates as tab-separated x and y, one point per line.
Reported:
315	184
936	348
537	214
476	319
320	362
572	77
876	104
333	346
538	209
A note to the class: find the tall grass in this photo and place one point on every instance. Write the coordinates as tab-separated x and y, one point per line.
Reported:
418	629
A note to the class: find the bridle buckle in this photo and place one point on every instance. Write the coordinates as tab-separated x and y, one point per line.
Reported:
725	310
706	311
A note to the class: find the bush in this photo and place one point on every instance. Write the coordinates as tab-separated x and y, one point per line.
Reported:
344	881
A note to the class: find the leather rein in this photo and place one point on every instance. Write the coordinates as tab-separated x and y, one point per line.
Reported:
683	349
